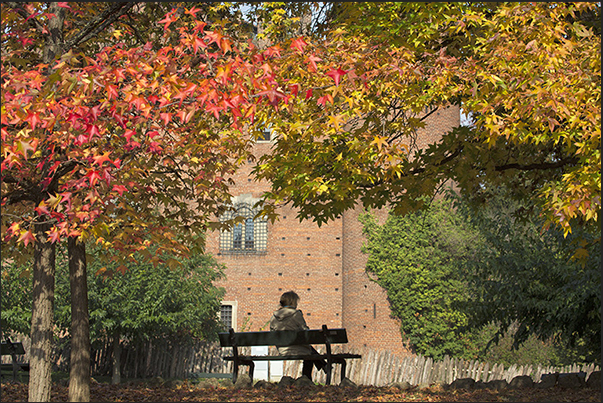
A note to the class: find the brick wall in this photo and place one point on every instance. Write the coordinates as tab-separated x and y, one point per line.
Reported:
366	311
325	266
300	256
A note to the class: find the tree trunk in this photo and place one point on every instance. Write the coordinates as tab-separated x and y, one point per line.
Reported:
116	378
42	316
54	38
79	375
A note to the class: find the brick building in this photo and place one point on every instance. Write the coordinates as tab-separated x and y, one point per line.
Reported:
324	265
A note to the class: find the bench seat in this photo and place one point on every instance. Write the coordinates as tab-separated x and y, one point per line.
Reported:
283	338
13	349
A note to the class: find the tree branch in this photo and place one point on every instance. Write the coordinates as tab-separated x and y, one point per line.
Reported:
537	166
102	21
21	11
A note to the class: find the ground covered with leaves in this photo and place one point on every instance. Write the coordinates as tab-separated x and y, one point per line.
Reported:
17	392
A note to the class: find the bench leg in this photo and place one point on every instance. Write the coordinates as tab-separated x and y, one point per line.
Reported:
14	370
251	368
235	371
328	371
343	364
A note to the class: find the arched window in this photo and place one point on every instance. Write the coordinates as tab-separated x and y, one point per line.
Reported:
249	236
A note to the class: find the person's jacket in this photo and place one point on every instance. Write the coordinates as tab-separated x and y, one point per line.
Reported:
287	318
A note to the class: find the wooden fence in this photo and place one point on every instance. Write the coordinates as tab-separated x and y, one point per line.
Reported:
380	368
169	359
164	358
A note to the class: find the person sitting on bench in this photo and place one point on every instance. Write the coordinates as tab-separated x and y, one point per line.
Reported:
288	317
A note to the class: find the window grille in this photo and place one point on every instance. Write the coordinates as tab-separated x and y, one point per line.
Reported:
226	315
248	237
249	233
266	135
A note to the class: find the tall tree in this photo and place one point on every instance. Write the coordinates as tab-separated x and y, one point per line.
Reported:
528	74
451	272
538	281
146	303
141	135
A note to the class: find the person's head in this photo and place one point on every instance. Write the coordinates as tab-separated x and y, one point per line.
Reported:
290	299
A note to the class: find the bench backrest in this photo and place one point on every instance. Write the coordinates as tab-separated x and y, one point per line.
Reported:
284	337
17	348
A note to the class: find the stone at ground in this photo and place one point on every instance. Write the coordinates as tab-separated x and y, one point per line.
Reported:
156	381
303	381
174	383
547	381
480	385
347	382
521	381
264	384
243	382
571	380
497	384
404	385
208	383
462	383
438	386
286	381
594	380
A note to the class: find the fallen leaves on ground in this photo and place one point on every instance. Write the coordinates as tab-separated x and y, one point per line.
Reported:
17	392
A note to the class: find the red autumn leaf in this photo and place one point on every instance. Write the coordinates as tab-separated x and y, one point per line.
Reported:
273	51
193	11
169	18
26	237
93	177
225	45
166	117
42	209
120	189
215	109
119	74
213	36
312	61
336	75
100	159
92	130
26	41
324	99
128	134
33	119
186	115
155	147
299	44
198	43
267	69
111	91
53	235
294	88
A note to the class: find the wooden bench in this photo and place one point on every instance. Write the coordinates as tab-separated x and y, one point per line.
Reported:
285	338
13	349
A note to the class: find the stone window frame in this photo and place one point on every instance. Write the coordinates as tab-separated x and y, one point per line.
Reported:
249	237
233	313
